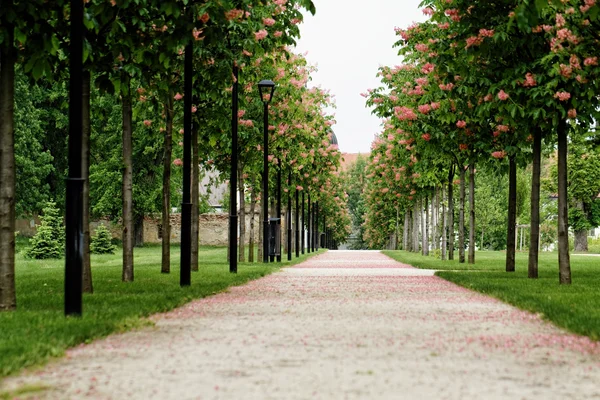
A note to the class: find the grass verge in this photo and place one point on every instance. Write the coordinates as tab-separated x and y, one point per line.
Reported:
38	330
575	307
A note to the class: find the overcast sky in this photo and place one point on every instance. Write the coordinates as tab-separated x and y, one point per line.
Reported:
348	41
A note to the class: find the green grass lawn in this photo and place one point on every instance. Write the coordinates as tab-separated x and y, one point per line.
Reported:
38	330
575	307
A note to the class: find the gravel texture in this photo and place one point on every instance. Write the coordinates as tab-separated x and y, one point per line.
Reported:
342	325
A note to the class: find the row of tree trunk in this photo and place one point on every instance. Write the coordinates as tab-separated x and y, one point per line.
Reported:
430	223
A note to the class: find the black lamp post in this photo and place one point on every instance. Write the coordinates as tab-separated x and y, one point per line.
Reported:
278	208
303	225
75	181
266	89
297	221
233	216
289	217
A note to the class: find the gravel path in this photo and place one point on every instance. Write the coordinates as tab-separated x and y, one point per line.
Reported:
343	325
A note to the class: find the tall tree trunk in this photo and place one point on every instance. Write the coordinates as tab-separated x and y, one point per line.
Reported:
85	169
8	298
165	266
425	225
534	239
251	239
138	228
581	236
511	244
195	194
409	237
415	214
242	216
461	217
259	251
472	213
127	184
444	243
406	233
450	232
434	218
581	242
564	262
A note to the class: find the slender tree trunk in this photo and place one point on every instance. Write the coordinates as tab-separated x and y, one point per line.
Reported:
444	243
409	237
472	213
564	262
425	224
406	233
138	228
461	217
434	218
165	266
127	185
534	239
481	247
195	195
251	239
8	298
242	217
511	245
450	232
581	242
259	251
85	169
415	214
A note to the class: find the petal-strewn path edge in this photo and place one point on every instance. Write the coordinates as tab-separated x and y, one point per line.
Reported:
354	325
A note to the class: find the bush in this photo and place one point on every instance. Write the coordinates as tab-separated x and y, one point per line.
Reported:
101	242
49	241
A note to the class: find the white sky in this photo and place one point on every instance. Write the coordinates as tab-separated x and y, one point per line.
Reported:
348	40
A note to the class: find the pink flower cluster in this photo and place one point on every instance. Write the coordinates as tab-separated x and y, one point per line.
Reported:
499	154
502	95
260	35
529	80
461	124
562	96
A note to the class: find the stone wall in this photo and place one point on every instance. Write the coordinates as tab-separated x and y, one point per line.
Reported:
213	228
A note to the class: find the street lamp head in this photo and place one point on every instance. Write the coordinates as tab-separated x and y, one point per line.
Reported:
266	89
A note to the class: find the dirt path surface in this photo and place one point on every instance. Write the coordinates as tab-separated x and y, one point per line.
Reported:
343	325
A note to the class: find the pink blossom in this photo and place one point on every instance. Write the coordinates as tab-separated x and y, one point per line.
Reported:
572	113
562	96
147	122
178	162
178	96
268	21
529	80
499	154
260	35
461	124
426	137
502	95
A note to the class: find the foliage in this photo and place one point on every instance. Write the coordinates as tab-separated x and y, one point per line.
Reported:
49	240
114	307
101	242
355	182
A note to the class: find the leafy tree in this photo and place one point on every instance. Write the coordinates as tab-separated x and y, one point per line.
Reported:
356	182
101	242
49	240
